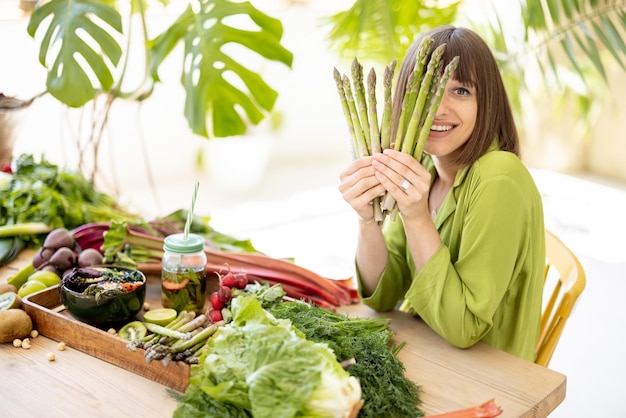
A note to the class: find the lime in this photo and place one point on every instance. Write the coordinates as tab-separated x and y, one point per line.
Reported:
49	278
161	316
29	287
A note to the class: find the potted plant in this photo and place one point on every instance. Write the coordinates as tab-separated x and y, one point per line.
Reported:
87	45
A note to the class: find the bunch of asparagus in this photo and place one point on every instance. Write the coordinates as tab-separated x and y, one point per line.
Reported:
180	340
422	97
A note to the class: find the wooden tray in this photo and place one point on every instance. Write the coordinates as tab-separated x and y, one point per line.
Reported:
51	319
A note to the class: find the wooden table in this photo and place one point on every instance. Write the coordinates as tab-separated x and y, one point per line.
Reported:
77	384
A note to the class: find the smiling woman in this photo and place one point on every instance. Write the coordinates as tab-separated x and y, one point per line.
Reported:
467	252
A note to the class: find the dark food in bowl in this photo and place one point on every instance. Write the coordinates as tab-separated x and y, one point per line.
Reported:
103	294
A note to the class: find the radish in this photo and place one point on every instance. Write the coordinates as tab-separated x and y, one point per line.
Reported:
241	280
224	294
229	280
215	316
216	303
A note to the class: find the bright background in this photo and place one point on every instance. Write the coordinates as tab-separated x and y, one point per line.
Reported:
290	207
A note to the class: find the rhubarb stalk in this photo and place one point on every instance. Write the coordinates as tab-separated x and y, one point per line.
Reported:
488	409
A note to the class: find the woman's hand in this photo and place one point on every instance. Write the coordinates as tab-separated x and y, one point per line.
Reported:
359	186
405	179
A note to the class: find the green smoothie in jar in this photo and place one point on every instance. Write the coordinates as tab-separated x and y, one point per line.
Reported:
183	274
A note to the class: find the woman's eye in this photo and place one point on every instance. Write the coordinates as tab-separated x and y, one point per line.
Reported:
461	91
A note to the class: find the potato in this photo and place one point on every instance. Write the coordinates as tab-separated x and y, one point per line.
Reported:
14	323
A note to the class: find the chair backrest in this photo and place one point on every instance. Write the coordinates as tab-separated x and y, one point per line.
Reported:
564	281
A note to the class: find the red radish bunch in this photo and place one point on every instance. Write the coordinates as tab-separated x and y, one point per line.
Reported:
224	293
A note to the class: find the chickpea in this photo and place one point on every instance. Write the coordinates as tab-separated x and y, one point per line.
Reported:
26	343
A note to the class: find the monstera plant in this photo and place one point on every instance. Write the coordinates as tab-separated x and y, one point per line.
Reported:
86	47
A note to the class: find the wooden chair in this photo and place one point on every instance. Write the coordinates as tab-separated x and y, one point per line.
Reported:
564	281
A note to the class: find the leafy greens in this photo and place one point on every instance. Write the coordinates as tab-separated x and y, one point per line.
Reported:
265	367
43	192
386	391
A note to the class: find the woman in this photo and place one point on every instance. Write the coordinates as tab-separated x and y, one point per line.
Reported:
467	252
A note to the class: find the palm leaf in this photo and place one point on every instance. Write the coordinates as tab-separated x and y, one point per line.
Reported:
591	51
79	66
568	22
382	30
214	82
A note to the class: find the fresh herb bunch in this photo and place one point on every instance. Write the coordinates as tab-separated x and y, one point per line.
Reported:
386	390
40	191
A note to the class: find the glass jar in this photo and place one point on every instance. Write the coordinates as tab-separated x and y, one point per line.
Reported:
183	274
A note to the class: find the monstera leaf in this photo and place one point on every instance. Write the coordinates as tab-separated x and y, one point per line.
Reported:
212	93
77	48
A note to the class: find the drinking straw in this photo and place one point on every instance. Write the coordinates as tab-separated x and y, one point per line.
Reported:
190	213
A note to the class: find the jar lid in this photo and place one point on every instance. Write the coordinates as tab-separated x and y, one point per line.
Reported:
177	243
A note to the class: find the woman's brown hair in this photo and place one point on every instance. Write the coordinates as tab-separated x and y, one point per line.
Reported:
477	67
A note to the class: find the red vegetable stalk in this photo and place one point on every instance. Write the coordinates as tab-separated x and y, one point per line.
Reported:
130	245
488	409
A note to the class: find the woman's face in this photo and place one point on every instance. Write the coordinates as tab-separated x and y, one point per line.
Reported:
454	121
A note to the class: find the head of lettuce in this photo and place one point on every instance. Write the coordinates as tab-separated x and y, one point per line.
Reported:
262	366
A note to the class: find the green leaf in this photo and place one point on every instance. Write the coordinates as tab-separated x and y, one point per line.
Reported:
381	30
591	51
568	47
77	28
223	96
533	16
553	7
567	9
615	38
606	42
553	65
622	18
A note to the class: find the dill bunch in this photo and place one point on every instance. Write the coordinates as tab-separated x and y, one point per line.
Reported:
387	393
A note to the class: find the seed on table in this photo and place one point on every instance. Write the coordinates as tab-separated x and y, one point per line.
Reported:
61	346
51	357
17	343
34	333
26	343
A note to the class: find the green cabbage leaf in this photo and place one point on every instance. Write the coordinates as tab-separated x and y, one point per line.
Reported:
264	366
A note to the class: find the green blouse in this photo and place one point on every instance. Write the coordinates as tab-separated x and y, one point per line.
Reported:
485	282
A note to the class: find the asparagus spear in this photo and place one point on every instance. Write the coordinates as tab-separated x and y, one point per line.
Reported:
385	131
409	140
358	131
374	133
359	93
421	61
346	111
434	105
434	85
397	145
168	332
373	116
201	336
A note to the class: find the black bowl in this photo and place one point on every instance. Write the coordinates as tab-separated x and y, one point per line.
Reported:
102	307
